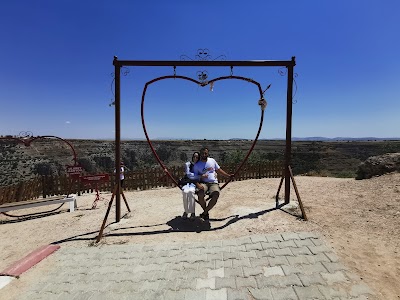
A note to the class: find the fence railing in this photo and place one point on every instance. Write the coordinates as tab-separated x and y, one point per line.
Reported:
45	186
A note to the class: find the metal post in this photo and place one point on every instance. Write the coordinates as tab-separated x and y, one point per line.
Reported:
288	150
117	104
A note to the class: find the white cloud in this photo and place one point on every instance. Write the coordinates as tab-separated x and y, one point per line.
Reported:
67	122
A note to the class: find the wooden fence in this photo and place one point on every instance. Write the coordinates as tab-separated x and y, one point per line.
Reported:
45	186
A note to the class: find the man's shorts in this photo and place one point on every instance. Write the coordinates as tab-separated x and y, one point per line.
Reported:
211	187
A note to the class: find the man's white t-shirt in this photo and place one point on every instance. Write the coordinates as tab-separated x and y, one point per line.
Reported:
209	167
121	173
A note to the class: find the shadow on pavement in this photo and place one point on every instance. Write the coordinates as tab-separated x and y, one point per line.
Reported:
177	224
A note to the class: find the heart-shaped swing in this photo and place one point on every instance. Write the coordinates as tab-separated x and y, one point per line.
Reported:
25	198
262	102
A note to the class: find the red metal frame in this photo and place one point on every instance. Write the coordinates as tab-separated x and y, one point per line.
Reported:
260	101
27	141
118	64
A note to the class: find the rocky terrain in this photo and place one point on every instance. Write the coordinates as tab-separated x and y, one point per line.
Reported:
49	157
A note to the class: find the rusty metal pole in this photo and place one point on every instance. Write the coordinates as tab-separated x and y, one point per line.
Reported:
288	150
117	104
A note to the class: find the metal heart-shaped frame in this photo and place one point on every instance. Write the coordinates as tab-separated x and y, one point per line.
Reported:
261	102
27	140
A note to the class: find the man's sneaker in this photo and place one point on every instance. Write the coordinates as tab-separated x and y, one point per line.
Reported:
184	216
192	217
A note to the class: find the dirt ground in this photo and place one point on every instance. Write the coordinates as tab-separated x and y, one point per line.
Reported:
360	220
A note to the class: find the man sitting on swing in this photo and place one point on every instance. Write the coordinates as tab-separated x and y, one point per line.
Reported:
206	168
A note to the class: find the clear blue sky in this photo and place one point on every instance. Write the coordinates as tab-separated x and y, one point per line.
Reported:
56	60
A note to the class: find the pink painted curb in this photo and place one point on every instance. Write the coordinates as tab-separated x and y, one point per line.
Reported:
29	261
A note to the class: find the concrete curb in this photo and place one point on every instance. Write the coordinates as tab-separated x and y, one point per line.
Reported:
24	264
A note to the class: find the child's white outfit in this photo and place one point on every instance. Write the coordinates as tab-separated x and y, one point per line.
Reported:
189	203
188	190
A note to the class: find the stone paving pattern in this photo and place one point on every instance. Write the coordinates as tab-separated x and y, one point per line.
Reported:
270	266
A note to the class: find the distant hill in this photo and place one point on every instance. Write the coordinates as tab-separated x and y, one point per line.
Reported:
338	157
320	138
310	138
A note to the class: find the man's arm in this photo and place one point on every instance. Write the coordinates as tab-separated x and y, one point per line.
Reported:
222	172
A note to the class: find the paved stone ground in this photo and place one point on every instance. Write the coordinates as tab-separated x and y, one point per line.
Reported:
271	266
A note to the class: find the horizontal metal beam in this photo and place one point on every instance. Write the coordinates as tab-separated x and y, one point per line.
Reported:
184	63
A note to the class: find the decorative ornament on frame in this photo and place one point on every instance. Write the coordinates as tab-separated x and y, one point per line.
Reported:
203	55
202	77
263	103
124	71
283	71
25	135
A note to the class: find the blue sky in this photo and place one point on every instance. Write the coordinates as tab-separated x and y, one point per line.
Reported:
56	60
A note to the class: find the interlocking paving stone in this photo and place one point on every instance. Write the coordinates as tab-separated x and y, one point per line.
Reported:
246	282
319	249
272	271
279	260
330	292
313	279
290	236
245	262
282	252
254	246
288	243
234	294
286	293
237	248
220	294
333	267
334	277
268	266
244	240
305	242
229	243
300	251
228	282
224	263
252	271
270	245
231	255
262	253
248	254
274	238
317	258
195	295
262	261
260	293
82	296
332	257
205	283
206	265
233	272
215	273
215	256
174	295
297	260
310	292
